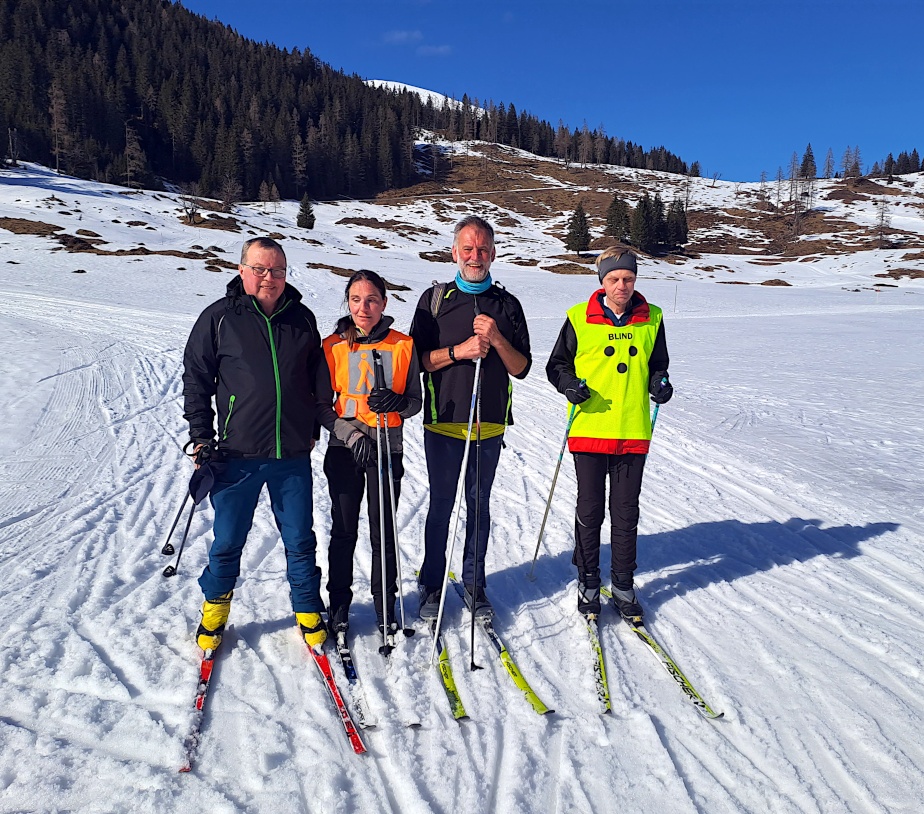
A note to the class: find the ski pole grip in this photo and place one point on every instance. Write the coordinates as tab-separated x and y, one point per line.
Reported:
379	369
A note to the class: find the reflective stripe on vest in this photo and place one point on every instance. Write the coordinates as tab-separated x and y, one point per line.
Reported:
352	373
614	362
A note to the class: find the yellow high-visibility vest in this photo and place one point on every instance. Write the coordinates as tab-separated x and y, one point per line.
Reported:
614	363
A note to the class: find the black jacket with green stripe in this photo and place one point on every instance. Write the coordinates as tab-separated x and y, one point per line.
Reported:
448	392
259	370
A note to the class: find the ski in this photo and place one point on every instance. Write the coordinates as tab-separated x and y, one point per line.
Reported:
638	628
323	664
487	626
194	737
603	690
446	677
363	719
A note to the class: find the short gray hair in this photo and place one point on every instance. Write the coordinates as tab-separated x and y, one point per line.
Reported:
475	222
262	243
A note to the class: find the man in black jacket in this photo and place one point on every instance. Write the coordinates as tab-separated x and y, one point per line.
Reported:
454	325
256	352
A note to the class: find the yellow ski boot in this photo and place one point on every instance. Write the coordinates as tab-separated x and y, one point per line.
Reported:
313	628
214	617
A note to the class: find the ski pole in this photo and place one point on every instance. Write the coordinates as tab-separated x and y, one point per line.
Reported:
458	508
377	362
384	649
474	666
405	629
168	549
172	570
548	503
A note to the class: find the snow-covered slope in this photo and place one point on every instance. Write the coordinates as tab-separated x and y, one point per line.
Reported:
779	554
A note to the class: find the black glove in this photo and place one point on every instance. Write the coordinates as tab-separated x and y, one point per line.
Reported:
363	450
660	387
383	400
577	392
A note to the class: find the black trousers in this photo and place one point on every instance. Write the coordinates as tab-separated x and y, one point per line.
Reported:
346	483
625	474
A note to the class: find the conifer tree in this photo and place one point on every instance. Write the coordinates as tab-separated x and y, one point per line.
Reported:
808	169
578	237
617	220
676	224
305	219
643	229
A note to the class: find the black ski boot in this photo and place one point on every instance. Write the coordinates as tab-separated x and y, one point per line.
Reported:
625	600
589	595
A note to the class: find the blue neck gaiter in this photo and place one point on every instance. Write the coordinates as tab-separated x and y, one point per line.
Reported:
472	288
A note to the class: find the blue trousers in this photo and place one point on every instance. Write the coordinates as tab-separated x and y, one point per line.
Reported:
444	464
238	483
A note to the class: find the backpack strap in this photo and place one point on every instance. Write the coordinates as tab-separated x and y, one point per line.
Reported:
436	297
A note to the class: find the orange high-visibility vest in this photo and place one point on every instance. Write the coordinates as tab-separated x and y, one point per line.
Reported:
352	373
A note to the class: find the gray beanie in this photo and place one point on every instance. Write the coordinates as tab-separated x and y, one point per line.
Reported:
625	261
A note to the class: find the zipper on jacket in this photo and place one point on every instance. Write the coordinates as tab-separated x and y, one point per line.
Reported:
272	341
224	436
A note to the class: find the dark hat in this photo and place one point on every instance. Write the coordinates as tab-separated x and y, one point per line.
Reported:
626	260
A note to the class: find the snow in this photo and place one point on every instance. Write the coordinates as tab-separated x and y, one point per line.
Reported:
779	552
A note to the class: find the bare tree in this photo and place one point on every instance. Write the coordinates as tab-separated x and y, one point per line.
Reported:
191	201
585	146
779	185
715	177
57	107
829	164
13	146
563	142
230	192
883	219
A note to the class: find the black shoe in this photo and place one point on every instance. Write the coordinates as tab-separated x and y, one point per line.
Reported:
627	604
482	606
588	600
429	601
339	619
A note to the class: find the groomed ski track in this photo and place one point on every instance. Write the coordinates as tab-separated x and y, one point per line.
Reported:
779	561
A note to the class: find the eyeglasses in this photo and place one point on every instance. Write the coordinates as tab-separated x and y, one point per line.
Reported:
259	271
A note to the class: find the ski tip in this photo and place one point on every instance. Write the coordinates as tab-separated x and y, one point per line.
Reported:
185	769
386	649
408	631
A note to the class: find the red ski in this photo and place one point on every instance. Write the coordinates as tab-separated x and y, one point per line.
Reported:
320	658
191	743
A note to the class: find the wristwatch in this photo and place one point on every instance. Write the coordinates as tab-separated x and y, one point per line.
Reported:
452	353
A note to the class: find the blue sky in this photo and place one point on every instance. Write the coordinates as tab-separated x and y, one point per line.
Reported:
738	85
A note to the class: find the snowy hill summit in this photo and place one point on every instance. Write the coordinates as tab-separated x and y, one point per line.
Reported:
779	541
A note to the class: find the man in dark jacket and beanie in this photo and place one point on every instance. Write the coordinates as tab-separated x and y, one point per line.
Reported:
256	352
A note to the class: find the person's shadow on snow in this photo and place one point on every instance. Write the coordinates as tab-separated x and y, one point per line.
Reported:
693	557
